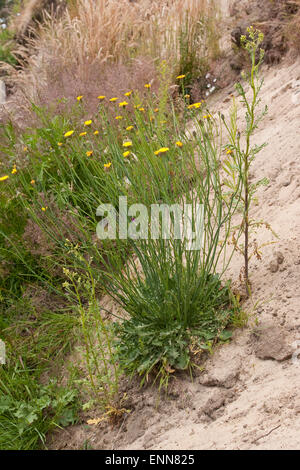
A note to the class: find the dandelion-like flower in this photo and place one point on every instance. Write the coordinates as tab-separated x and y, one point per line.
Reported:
101	97
127	144
96	132
119	117
44	208
32	182
142	109
107	165
128	93
162	150
79	98
179	144
59	144
68	134
123	104
113	99
129	128
126	154
180	77
88	123
194	105
147	85
14	170
3	178
82	134
89	153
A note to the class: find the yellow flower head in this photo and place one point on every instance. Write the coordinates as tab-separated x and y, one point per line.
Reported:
96	132
3	178
179	144
156	110
187	96
180	76
44	208
32	182
162	150
113	99
123	104
129	128
207	116
229	151
68	134
88	123
119	117
101	97
126	154
107	165
127	144
82	134
89	153
128	93
194	105
142	109
79	98
147	85
59	144
25	149
14	170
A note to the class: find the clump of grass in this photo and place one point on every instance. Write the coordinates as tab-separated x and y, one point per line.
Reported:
94	39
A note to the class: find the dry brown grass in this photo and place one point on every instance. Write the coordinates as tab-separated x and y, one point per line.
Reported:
292	29
71	54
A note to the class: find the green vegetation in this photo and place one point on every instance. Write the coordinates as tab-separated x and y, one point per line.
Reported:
55	270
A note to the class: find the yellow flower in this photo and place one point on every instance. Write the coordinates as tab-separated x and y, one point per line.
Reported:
59	144
101	97
88	123
129	128
187	96
179	144
147	85
68	134
180	76
162	150
123	104
194	105
82	134
113	99
3	178
142	109
126	154
163	122
107	165
44	208
229	151
156	110
207	116
25	149
32	182
96	132
79	98
127	144
128	93
14	170
89	153
119	117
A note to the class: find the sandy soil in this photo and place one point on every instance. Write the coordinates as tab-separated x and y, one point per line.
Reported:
247	396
